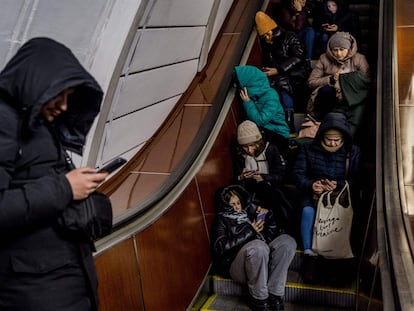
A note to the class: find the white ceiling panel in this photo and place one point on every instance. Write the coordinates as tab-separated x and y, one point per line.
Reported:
164	46
222	11
9	23
76	23
153	86
179	13
134	129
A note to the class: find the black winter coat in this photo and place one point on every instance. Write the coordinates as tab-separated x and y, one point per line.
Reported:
287	55
42	268
275	162
229	236
345	19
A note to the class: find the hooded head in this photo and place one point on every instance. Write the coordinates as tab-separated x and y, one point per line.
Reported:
253	78
341	40
333	127
224	195
264	23
38	73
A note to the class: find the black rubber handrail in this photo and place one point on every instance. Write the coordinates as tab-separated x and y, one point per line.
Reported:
394	238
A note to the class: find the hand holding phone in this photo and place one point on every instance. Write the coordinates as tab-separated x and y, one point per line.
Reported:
112	166
311	117
249	173
260	216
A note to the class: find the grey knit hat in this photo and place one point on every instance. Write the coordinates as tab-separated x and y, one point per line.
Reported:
340	39
248	133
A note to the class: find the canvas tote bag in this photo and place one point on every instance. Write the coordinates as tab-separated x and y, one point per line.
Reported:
332	227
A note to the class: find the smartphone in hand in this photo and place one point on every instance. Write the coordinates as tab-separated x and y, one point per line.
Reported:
112	166
311	117
249	173
260	216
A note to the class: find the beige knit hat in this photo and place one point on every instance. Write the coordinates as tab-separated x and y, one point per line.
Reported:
248	133
264	23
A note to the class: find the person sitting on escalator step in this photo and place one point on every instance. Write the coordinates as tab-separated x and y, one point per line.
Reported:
251	249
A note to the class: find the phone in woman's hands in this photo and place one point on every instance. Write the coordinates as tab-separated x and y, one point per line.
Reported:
260	216
249	173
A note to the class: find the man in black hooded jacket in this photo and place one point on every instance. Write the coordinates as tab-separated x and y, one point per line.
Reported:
48	102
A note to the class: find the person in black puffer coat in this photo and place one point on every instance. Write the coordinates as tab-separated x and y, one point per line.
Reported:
251	251
284	63
48	103
335	16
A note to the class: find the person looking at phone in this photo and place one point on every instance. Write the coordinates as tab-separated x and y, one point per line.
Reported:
324	165
335	16
284	64
260	168
48	103
340	81
252	252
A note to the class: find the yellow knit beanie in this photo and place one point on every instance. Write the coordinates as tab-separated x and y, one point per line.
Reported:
264	23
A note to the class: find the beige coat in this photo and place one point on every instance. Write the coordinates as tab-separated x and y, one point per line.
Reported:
328	65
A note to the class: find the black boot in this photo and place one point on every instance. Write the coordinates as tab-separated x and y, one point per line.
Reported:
257	304
290	120
310	269
276	303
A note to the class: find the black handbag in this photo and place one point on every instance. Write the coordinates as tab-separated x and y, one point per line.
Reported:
90	218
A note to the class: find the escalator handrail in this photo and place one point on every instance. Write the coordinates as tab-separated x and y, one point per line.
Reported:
394	239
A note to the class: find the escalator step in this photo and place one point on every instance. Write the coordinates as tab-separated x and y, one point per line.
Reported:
236	303
296	292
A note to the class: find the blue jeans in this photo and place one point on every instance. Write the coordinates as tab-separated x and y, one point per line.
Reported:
306	226
307	35
324	38
287	101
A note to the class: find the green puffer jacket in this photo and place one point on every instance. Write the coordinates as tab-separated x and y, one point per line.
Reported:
264	107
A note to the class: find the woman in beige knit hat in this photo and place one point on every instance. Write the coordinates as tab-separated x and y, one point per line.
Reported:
260	168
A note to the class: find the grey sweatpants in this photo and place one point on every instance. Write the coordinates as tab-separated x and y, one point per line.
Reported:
264	267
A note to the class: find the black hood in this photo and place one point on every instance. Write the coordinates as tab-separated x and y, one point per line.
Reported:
40	70
222	206
341	7
335	120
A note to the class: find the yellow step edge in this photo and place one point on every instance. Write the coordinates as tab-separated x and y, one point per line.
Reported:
208	303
